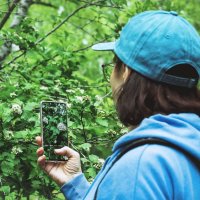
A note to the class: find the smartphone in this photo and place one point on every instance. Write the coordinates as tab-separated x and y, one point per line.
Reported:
53	117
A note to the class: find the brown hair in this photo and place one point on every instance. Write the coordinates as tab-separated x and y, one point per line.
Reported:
140	97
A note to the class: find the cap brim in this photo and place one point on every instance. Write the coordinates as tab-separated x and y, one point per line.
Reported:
106	46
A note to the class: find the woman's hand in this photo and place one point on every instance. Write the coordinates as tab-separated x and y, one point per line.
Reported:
60	172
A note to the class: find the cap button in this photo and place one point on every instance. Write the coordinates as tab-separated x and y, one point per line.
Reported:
174	13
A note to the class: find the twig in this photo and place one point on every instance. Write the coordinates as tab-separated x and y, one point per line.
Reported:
110	6
15	58
106	95
74	147
43	61
83	125
7	15
44	4
82	28
82	49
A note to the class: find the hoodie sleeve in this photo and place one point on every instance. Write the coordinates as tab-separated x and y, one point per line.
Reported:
76	188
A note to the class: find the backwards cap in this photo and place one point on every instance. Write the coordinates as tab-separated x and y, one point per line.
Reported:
153	42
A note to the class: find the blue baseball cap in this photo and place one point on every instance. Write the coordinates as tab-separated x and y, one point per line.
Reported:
153	42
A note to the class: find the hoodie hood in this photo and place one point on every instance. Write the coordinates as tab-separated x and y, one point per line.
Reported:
183	130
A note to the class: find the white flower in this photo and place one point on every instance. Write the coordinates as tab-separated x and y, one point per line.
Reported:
82	91
8	135
69	105
15	47
101	61
101	161
16	150
43	87
70	91
58	82
16	84
98	98
16	108
87	98
12	94
80	99
45	120
61	127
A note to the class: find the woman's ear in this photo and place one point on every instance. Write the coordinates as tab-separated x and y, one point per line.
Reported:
126	72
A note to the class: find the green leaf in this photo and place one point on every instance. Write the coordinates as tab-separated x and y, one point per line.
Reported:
102	122
91	172
7	167
30	106
84	160
85	146
93	158
5	189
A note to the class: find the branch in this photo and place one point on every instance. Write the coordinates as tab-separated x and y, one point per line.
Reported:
43	61
8	13
89	46
112	5
82	49
85	31
54	29
44	4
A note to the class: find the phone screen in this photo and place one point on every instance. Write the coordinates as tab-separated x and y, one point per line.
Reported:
54	128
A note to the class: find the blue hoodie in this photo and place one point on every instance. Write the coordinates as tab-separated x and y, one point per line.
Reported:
150	171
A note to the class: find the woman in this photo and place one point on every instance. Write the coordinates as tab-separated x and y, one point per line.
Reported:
154	84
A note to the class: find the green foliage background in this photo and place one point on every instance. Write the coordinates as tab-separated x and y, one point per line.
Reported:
55	62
